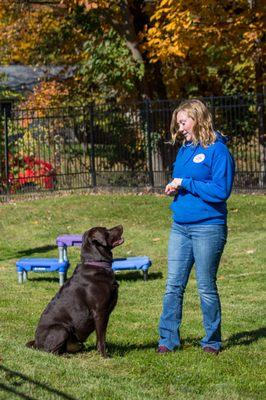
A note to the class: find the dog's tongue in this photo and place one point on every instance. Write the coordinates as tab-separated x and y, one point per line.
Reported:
118	242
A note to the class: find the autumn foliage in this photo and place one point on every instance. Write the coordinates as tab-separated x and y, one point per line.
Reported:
133	48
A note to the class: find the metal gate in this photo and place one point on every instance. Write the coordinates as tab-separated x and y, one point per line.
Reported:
119	145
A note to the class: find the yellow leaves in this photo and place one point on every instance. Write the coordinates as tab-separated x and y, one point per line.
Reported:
22	34
179	27
170	27
166	2
39	34
177	51
160	13
168	37
250	36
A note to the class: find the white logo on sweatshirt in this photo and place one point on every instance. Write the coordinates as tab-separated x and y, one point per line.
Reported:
199	158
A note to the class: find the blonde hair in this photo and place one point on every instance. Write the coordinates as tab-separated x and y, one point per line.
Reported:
203	129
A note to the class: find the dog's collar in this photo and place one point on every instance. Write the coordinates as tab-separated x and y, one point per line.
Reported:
102	264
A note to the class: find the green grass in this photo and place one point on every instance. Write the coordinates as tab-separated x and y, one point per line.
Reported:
134	370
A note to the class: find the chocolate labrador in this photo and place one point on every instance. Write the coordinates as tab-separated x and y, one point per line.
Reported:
85	302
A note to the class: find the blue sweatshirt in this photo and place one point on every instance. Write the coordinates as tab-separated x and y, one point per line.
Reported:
207	177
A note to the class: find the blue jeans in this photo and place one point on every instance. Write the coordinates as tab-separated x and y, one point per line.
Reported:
189	244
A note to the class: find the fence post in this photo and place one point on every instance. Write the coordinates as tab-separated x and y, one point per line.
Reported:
261	133
6	161
92	152
149	145
1	147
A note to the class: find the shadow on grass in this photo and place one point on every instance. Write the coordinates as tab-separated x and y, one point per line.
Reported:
238	339
14	384
116	349
245	338
29	252
125	276
137	275
43	278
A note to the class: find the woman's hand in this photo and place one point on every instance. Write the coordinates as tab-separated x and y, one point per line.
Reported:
173	186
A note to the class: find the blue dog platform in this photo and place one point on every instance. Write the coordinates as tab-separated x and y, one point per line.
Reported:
141	263
24	265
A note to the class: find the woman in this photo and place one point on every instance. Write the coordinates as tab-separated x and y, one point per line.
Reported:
202	182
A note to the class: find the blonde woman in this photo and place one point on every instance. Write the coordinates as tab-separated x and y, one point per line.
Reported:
202	182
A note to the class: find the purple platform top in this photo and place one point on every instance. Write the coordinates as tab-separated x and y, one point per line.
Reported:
69	240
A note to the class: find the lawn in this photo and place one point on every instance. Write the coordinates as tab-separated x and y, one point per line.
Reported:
133	370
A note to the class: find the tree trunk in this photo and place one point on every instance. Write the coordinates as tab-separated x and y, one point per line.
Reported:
152	85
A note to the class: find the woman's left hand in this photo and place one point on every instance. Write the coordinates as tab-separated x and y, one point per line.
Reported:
173	186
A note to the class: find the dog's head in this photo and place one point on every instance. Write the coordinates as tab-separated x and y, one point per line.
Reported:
98	242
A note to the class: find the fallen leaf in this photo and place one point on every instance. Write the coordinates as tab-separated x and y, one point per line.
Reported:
251	251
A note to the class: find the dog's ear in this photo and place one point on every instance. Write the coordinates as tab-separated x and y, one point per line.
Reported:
85	238
99	237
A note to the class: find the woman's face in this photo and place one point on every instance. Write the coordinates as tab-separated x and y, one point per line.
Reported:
186	125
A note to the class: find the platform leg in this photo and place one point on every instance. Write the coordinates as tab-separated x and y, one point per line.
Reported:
61	278
60	254
24	276
145	275
65	253
20	277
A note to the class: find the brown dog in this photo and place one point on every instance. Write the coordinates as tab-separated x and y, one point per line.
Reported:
85	302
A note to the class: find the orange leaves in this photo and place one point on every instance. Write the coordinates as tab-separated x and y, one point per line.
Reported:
46	95
88	4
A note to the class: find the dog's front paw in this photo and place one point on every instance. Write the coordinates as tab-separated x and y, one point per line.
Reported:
102	350
74	347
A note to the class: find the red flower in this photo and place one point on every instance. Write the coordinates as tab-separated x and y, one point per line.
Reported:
31	170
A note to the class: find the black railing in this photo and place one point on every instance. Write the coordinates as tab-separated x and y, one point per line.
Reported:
120	145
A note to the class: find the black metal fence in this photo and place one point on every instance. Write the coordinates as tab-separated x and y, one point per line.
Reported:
120	145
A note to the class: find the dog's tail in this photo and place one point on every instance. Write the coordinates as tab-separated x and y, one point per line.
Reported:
31	344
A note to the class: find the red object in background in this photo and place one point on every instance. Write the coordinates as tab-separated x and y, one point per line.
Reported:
32	172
